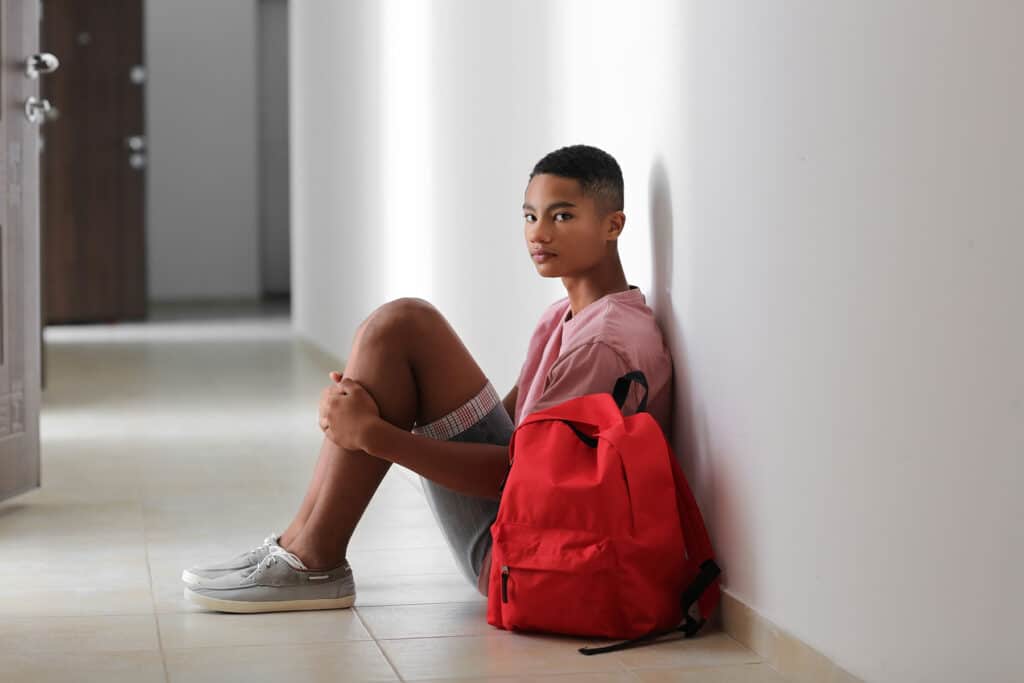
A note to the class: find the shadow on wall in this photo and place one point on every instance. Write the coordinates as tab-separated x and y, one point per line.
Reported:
690	436
689	424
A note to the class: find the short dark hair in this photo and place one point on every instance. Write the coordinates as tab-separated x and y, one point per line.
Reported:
597	171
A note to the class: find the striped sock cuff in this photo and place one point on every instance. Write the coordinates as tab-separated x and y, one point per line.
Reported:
463	417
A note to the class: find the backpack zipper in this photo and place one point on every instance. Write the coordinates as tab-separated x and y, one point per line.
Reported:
504	583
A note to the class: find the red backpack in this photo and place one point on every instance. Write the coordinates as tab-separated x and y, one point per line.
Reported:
597	532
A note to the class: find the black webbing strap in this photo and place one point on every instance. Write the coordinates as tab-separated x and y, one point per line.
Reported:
709	570
585	438
622	385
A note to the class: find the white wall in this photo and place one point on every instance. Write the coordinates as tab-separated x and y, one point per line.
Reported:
333	120
850	187
406	144
201	120
823	206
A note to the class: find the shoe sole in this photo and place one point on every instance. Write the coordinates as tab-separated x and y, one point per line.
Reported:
244	607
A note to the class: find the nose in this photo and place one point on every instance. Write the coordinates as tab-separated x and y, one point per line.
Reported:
538	232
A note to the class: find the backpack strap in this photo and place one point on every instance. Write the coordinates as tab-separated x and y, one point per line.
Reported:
621	390
708	572
697	540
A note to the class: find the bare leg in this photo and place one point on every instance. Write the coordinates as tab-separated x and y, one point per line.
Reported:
327	447
416	368
288	537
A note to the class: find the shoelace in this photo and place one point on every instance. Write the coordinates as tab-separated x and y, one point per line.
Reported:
270	541
277	552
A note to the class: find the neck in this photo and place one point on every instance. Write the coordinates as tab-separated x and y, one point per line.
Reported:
585	288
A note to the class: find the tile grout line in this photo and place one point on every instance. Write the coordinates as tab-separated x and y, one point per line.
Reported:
376	642
158	611
152	594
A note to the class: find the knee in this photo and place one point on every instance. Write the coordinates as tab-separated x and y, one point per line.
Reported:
399	317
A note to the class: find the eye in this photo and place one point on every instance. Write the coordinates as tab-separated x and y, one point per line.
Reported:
528	217
562	213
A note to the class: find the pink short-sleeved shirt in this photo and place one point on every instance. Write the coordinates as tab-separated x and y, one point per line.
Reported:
574	355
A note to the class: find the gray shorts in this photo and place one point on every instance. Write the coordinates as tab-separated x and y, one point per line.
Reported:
466	520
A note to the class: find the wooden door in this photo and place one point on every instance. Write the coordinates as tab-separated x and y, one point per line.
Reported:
94	162
19	252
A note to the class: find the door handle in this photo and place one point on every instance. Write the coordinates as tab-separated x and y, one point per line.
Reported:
37	109
41	63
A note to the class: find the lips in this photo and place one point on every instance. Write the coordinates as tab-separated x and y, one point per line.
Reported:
541	256
541	252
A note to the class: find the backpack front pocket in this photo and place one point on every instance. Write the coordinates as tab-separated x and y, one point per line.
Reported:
557	580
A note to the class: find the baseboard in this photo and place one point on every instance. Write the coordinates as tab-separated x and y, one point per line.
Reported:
784	652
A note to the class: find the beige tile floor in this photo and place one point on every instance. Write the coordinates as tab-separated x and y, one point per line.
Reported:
176	441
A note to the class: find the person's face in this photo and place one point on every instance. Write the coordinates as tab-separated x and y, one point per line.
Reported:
561	221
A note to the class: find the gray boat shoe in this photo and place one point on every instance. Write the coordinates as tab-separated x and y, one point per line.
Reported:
279	583
199	573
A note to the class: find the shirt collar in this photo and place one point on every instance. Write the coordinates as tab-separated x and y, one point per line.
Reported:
633	293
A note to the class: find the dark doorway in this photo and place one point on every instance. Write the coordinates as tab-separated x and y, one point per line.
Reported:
93	164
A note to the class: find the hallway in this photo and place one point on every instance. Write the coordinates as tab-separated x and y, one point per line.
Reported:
170	442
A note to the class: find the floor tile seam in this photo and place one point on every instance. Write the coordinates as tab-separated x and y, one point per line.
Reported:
435	637
496	633
72	501
62	652
62	615
548	674
442	602
387	658
289	643
777	672
423	573
376	646
366	626
404	604
10	618
376	643
518	677
162	610
405	576
699	667
249	646
152	597
435	546
760	659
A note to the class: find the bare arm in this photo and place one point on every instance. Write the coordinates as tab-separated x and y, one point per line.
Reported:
510	402
476	469
350	418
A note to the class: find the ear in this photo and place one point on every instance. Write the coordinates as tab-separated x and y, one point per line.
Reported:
616	221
